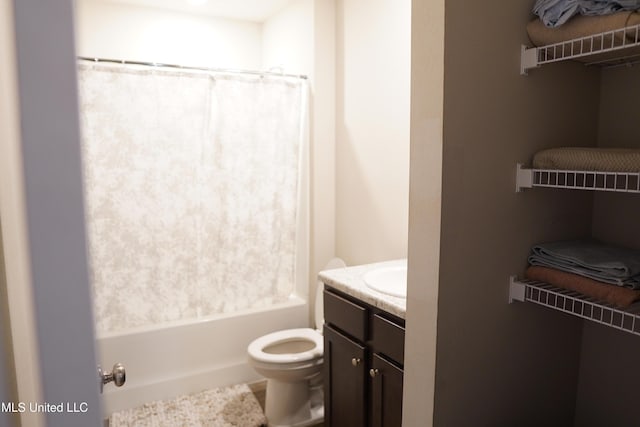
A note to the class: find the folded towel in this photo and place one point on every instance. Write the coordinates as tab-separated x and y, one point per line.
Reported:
581	26
554	13
591	259
616	295
588	159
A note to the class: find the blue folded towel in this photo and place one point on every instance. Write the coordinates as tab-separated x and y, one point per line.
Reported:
556	12
592	259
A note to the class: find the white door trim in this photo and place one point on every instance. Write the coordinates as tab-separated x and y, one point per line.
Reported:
14	232
47	166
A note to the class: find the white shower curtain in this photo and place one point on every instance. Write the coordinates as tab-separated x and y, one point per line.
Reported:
192	191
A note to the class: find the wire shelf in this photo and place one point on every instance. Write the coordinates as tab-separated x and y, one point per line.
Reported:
624	182
614	44
566	301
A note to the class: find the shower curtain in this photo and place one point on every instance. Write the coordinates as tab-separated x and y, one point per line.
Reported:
192	184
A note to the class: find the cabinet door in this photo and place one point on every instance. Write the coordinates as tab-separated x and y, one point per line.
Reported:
344	381
386	393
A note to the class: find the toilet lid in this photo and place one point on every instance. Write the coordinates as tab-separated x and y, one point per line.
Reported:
319	307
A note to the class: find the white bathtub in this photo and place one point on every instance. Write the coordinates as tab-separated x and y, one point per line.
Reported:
186	357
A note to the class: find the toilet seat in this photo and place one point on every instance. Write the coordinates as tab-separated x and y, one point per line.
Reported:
256	348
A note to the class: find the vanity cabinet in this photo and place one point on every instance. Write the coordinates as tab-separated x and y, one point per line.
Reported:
345	380
363	363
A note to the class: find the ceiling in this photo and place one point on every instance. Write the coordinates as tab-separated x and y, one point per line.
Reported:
246	10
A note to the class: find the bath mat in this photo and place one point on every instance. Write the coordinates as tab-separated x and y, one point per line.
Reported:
234	406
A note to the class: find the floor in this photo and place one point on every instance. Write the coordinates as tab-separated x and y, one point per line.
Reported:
259	390
233	405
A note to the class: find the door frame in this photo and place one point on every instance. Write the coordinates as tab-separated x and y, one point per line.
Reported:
42	210
19	342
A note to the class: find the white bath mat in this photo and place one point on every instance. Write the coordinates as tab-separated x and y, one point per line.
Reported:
234	406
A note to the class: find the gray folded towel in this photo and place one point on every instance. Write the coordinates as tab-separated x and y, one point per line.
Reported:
592	259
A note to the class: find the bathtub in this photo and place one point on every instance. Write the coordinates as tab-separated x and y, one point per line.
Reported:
189	356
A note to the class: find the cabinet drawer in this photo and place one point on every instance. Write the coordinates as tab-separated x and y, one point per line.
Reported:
345	315
388	338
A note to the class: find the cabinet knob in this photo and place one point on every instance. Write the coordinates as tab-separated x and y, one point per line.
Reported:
355	361
373	373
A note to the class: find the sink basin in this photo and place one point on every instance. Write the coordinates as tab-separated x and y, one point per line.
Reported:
390	280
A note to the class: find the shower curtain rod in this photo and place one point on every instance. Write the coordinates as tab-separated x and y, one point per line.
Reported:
182	67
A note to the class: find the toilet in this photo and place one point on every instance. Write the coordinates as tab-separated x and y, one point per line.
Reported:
291	361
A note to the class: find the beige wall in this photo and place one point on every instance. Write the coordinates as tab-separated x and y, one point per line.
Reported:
501	364
323	141
608	384
121	31
372	129
287	39
608	357
616	215
300	39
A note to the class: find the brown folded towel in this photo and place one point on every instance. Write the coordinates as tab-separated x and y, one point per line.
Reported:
616	295
582	26
588	159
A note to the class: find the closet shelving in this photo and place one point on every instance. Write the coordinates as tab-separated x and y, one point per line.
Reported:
571	302
615	47
627	319
625	182
609	47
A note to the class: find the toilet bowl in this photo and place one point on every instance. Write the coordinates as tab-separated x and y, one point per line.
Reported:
291	361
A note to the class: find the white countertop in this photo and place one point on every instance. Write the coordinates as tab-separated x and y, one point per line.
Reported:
349	280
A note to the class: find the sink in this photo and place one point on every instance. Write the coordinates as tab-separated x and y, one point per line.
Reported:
391	280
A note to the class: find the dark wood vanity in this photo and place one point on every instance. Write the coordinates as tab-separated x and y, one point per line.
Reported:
363	363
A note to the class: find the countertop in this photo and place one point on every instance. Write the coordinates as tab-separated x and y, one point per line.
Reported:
349	280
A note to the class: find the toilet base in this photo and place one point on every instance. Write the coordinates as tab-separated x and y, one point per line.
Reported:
294	404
